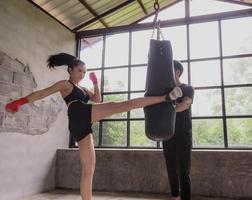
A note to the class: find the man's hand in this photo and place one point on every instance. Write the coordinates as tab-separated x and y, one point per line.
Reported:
184	105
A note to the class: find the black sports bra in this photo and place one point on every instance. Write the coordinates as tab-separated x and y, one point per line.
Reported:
76	94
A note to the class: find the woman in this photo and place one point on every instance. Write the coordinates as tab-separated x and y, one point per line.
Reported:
81	115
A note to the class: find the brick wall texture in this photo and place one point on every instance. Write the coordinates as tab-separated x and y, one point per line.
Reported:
16	80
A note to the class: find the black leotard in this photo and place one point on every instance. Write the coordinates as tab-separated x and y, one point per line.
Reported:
76	94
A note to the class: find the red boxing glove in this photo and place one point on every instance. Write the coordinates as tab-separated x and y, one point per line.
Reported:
14	105
93	78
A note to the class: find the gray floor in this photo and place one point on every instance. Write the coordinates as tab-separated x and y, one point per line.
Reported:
74	195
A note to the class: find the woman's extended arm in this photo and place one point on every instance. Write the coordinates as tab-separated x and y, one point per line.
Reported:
34	96
40	94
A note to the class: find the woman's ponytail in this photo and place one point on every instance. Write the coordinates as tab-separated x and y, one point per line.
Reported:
61	59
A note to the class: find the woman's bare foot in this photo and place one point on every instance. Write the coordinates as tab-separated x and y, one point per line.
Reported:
174	94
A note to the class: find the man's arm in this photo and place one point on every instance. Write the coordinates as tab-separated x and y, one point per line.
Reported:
184	105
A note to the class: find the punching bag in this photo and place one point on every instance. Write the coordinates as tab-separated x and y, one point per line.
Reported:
160	118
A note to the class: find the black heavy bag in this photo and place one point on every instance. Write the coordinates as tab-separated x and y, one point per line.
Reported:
160	118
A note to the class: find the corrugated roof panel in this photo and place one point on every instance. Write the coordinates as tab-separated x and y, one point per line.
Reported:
50	5
72	13
133	12
148	4
95	25
124	17
69	12
65	8
123	14
104	5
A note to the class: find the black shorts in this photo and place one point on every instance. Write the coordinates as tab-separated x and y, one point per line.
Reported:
79	115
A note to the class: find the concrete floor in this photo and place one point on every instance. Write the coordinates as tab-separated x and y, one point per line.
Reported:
74	195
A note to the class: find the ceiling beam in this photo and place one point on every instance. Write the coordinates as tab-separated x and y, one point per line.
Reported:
87	6
102	15
142	6
237	2
166	23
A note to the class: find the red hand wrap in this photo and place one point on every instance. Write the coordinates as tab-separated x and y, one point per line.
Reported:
14	105
93	78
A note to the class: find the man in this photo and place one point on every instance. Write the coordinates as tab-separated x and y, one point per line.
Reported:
177	150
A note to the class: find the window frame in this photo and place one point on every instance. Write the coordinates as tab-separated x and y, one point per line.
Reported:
187	21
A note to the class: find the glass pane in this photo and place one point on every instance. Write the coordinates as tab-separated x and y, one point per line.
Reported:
140	46
207	103
239	132
95	128
91	52
199	7
137	135
240	41
205	73
208	133
138	78
114	133
204	40
184	76
116	80
173	12
117	50
237	71
136	113
177	36
116	98
87	83
238	101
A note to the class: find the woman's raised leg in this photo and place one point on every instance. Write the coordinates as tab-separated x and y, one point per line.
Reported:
103	110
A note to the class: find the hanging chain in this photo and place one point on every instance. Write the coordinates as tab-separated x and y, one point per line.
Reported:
156	5
156	24
156	8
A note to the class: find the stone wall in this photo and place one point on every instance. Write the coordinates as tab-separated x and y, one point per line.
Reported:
213	173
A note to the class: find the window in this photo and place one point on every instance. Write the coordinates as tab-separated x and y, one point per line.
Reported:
177	36
239	132
207	103
114	133
138	137
217	61
204	40
208	133
91	52
140	45
238	101
205	73
199	7
138	78
115	80
237	71
240	41
116	55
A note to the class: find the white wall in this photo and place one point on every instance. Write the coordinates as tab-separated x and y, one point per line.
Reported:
27	163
